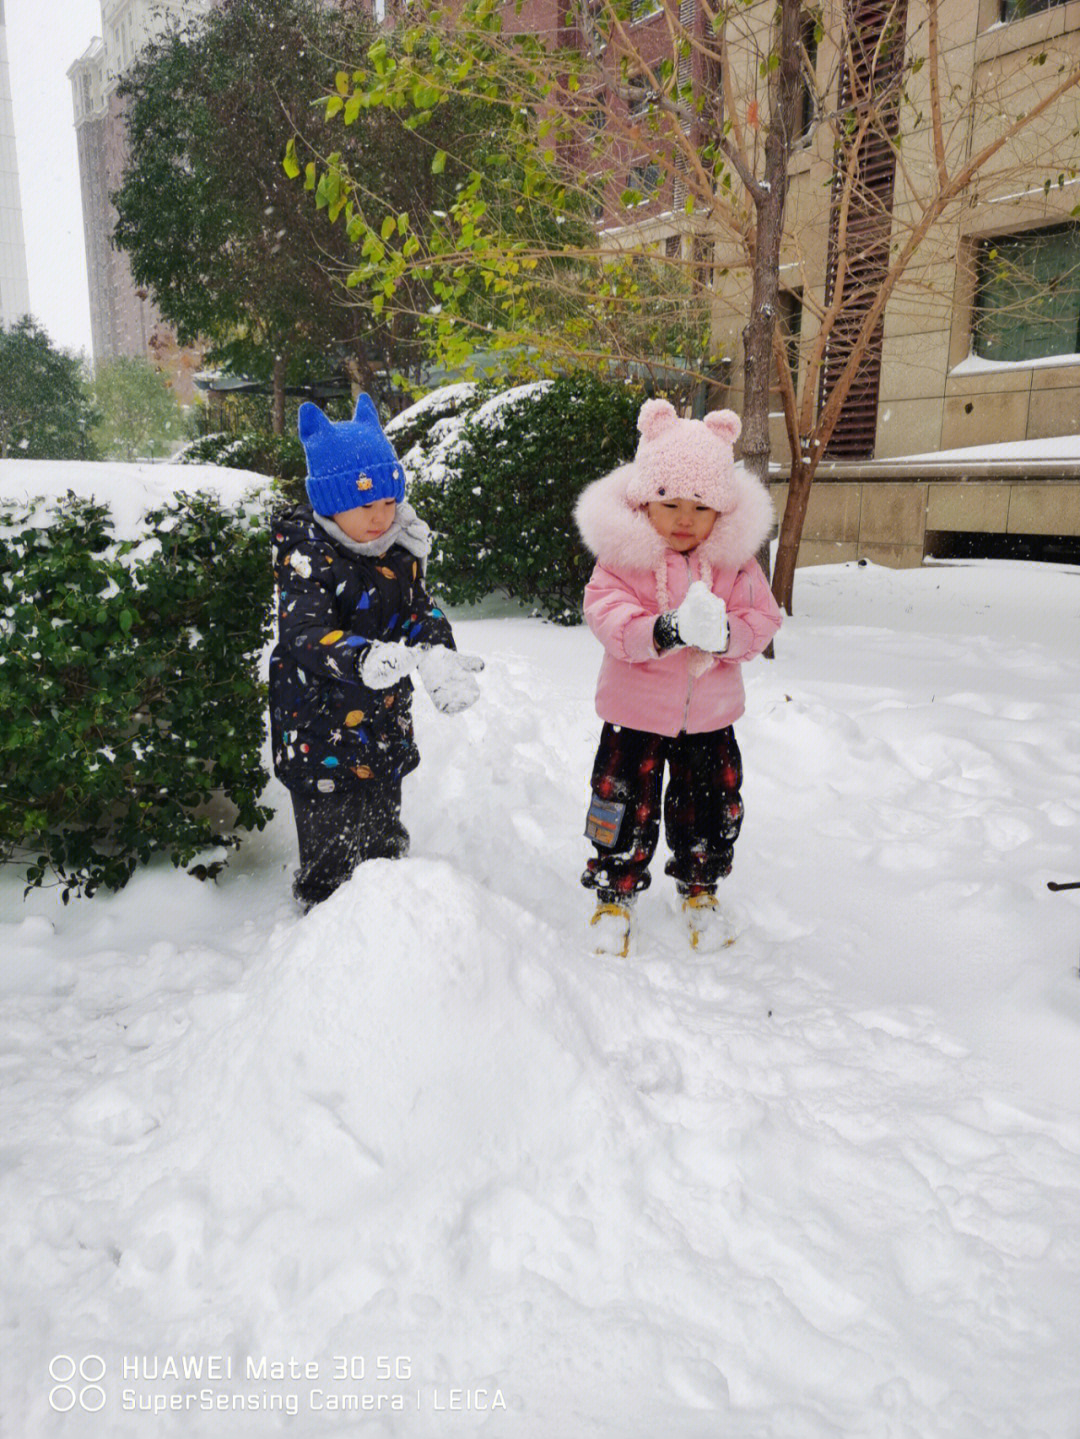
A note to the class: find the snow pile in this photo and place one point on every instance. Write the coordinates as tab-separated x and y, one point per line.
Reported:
130	490
1055	447
824	1184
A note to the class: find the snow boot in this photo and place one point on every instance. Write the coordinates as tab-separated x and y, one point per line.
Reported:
611	923
709	927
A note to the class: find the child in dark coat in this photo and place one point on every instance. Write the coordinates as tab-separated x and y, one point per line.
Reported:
354	622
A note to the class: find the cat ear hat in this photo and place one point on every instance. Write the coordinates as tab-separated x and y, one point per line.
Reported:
350	462
676	460
685	459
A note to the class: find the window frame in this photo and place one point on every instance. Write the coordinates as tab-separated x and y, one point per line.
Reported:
982	314
1023	9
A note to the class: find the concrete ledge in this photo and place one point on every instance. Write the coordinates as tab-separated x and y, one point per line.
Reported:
1044	509
886	520
982	507
892	514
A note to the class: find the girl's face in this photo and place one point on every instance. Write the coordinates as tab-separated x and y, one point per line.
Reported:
684	524
366	522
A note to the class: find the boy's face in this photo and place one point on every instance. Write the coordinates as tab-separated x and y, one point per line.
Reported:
366	522
683	523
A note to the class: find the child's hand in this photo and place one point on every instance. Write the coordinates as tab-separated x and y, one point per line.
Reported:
386	662
448	678
701	619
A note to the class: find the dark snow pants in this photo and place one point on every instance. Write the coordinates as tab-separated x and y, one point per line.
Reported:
336	832
702	809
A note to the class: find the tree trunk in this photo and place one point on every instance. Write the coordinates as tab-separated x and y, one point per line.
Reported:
791	528
277	403
770	198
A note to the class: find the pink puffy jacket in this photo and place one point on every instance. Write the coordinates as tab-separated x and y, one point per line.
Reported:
639	576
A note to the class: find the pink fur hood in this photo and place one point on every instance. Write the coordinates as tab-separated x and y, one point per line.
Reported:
638	576
619	534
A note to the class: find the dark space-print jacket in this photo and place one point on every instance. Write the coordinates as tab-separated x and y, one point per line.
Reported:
328	731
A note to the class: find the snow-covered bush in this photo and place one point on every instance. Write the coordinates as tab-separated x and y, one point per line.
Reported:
129	685
413	426
498	487
280	457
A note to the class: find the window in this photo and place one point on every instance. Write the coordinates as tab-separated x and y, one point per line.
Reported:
1019	9
703	252
789	323
809	103
1027	303
645	179
640	9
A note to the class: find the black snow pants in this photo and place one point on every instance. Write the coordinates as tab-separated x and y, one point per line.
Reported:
702	809
336	832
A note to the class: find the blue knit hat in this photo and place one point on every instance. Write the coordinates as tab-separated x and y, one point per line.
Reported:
350	462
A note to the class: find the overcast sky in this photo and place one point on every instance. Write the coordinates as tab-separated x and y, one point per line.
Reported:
44	37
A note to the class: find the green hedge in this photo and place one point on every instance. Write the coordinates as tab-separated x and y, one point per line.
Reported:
129	687
502	501
280	457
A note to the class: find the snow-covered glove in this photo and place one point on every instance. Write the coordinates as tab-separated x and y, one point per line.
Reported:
701	620
448	678
385	662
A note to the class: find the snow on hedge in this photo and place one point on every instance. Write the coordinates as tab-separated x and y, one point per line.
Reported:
432	454
130	490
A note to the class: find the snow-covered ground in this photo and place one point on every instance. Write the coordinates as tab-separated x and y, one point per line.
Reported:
421	1147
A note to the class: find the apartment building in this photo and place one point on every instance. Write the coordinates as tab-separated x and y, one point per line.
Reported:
980	345
123	318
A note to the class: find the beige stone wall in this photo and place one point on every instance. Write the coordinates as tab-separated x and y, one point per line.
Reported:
886	521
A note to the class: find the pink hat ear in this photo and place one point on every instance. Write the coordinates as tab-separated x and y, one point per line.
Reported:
655	417
724	423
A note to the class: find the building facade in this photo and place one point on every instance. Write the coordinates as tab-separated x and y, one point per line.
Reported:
124	320
14	285
980	343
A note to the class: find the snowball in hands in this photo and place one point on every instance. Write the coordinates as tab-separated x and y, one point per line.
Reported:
448	678
386	662
701	619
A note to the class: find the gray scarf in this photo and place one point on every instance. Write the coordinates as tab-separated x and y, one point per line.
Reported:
407	530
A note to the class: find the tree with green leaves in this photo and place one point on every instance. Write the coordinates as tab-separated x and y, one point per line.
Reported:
233	252
140	417
46	410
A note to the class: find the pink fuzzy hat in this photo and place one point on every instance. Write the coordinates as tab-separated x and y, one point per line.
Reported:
685	459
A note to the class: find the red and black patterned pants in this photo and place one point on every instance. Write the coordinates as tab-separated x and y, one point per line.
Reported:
702	809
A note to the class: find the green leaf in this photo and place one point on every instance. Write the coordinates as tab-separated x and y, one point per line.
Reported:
290	164
438	164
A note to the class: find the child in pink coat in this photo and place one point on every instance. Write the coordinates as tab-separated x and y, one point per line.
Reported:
679	602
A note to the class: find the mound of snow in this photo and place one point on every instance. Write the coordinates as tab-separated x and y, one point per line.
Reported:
826	1183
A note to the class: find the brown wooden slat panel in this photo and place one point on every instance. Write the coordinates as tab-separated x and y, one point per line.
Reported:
869	223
